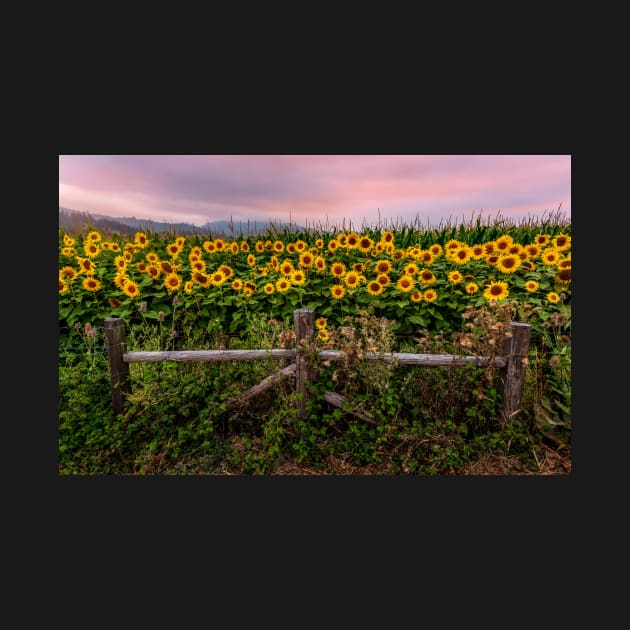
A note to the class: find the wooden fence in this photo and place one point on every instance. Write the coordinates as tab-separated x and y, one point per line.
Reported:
511	364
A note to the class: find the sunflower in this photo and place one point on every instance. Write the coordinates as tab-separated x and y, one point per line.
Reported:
426	276
542	239
337	291
166	267
461	255
426	257
91	284
180	240
131	289
365	244
553	297
515	249
115	247
237	284
405	283
287	268
251	260
63	285
217	278
320	264
564	276
416	296
201	278
114	302
188	286
195	253
565	263
338	269
91	249
278	247
141	267
387	237
69	273
321	322
93	237
351	279
234	248
86	266
219	244
173	250
502	244
68	252
436	250
153	258
492	259
333	245
297	277
283	285
306	260
244	246
226	270
430	295
530	265
455	277
140	238
172	282
533	250
508	263
198	265
323	335
374	287
383	279
411	269
259	246
550	256
68	241
291	248
269	288
154	271
477	252
351	241
383	266
210	247
319	243
561	242
496	291
531	286
452	246
471	288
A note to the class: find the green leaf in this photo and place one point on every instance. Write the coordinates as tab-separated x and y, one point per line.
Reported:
417	319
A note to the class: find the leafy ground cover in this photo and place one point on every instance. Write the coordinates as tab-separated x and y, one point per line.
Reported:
452	290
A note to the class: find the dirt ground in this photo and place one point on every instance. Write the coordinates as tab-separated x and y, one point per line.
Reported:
550	462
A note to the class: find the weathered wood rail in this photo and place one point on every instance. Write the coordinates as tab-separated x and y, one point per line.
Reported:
511	364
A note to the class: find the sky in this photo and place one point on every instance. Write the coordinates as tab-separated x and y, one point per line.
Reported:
318	190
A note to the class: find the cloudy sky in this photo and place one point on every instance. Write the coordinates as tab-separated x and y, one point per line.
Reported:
317	190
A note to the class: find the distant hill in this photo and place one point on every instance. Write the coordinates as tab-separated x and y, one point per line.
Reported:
75	221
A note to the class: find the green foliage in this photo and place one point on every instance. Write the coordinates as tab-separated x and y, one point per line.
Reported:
185	418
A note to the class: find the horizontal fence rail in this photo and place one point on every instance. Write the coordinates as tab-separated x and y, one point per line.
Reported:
512	363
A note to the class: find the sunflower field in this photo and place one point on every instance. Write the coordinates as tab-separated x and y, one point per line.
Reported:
200	292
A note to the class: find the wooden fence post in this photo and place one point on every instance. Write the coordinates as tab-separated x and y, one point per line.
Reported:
516	348
304	322
119	379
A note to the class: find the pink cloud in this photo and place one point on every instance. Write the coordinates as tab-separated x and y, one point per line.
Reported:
202	188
